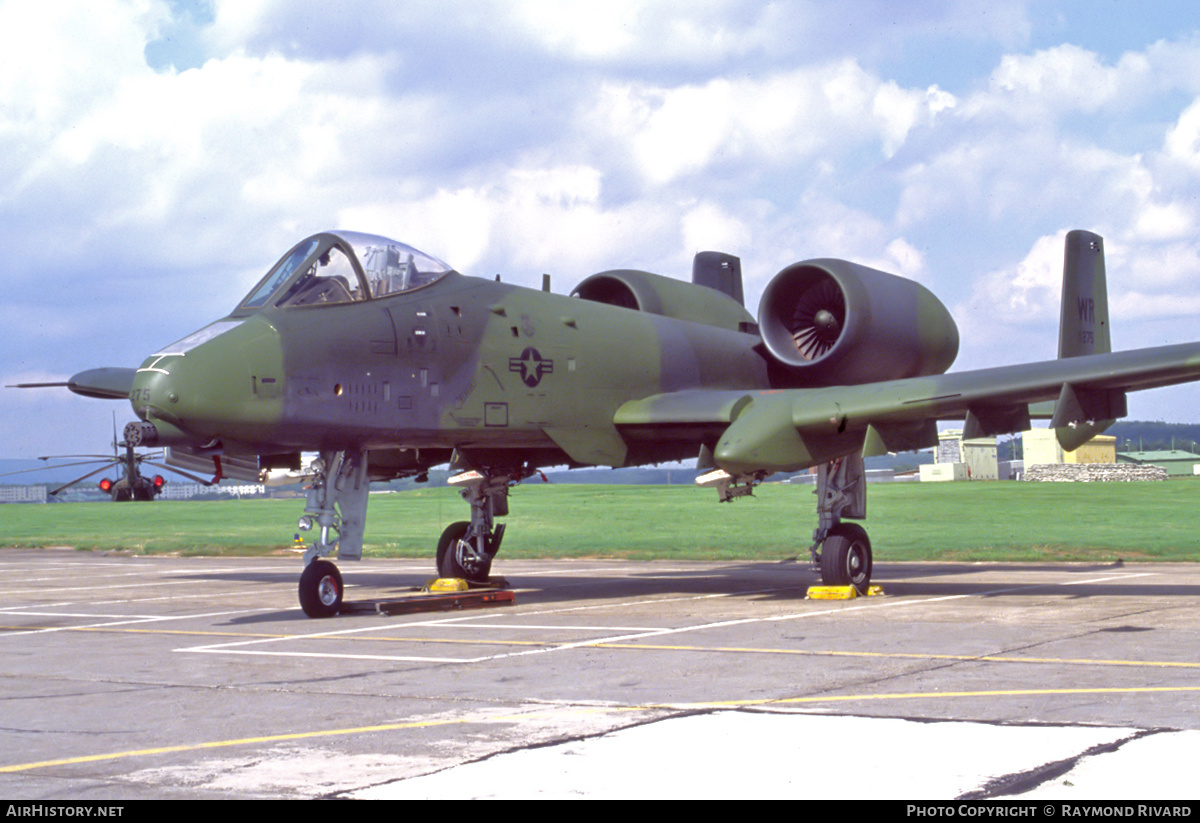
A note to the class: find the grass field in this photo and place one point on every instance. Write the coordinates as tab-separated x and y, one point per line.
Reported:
907	521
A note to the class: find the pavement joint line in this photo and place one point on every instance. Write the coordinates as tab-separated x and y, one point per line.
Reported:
127	621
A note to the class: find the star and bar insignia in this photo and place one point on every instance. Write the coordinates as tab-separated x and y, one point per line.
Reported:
531	366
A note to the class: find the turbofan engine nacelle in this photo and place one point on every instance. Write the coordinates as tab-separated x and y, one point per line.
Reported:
833	322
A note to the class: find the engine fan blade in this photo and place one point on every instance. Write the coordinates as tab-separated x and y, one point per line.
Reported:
818	318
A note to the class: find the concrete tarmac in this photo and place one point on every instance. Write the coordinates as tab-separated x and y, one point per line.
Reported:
135	677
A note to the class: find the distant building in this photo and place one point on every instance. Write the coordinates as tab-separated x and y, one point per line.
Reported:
1011	469
976	457
1040	447
937	472
1177	462
181	491
186	491
22	494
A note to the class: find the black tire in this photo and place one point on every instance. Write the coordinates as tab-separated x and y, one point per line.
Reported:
448	564
321	589
846	557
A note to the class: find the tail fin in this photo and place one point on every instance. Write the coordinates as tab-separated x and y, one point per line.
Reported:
1083	327
719	271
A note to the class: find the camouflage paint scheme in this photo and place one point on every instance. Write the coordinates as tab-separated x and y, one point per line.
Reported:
633	368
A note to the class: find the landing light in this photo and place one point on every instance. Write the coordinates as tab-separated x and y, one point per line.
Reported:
305	524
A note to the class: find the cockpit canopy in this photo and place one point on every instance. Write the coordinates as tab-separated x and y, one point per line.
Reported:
343	267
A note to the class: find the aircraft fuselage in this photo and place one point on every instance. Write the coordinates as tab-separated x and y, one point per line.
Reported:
460	363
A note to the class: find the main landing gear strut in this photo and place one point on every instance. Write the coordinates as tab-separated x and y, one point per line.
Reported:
840	550
467	548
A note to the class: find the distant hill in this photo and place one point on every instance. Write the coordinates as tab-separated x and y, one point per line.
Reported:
1143	435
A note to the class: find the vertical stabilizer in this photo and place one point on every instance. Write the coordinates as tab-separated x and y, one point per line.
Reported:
1083	326
1080	414
719	271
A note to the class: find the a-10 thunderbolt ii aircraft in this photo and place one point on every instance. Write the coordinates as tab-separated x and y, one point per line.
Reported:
387	362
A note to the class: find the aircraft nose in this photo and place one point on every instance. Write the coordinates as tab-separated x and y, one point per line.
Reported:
154	394
224	381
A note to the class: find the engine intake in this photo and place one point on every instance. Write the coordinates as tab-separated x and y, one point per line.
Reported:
832	322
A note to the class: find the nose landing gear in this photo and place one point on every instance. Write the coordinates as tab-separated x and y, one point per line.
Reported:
321	589
337	509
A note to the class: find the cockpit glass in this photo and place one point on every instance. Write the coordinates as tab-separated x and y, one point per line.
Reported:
330	279
343	267
282	272
392	267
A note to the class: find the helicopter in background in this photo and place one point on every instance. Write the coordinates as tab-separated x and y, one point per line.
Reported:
130	484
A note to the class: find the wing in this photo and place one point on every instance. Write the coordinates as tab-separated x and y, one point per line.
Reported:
791	429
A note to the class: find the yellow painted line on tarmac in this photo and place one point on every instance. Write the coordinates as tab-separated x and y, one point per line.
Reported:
279	738
852	698
985	658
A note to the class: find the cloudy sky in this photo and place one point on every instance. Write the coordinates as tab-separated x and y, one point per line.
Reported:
157	157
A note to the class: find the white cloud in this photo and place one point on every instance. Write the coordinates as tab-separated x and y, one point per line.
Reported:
521	224
1069	78
1027	293
708	227
1182	142
784	118
63	58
